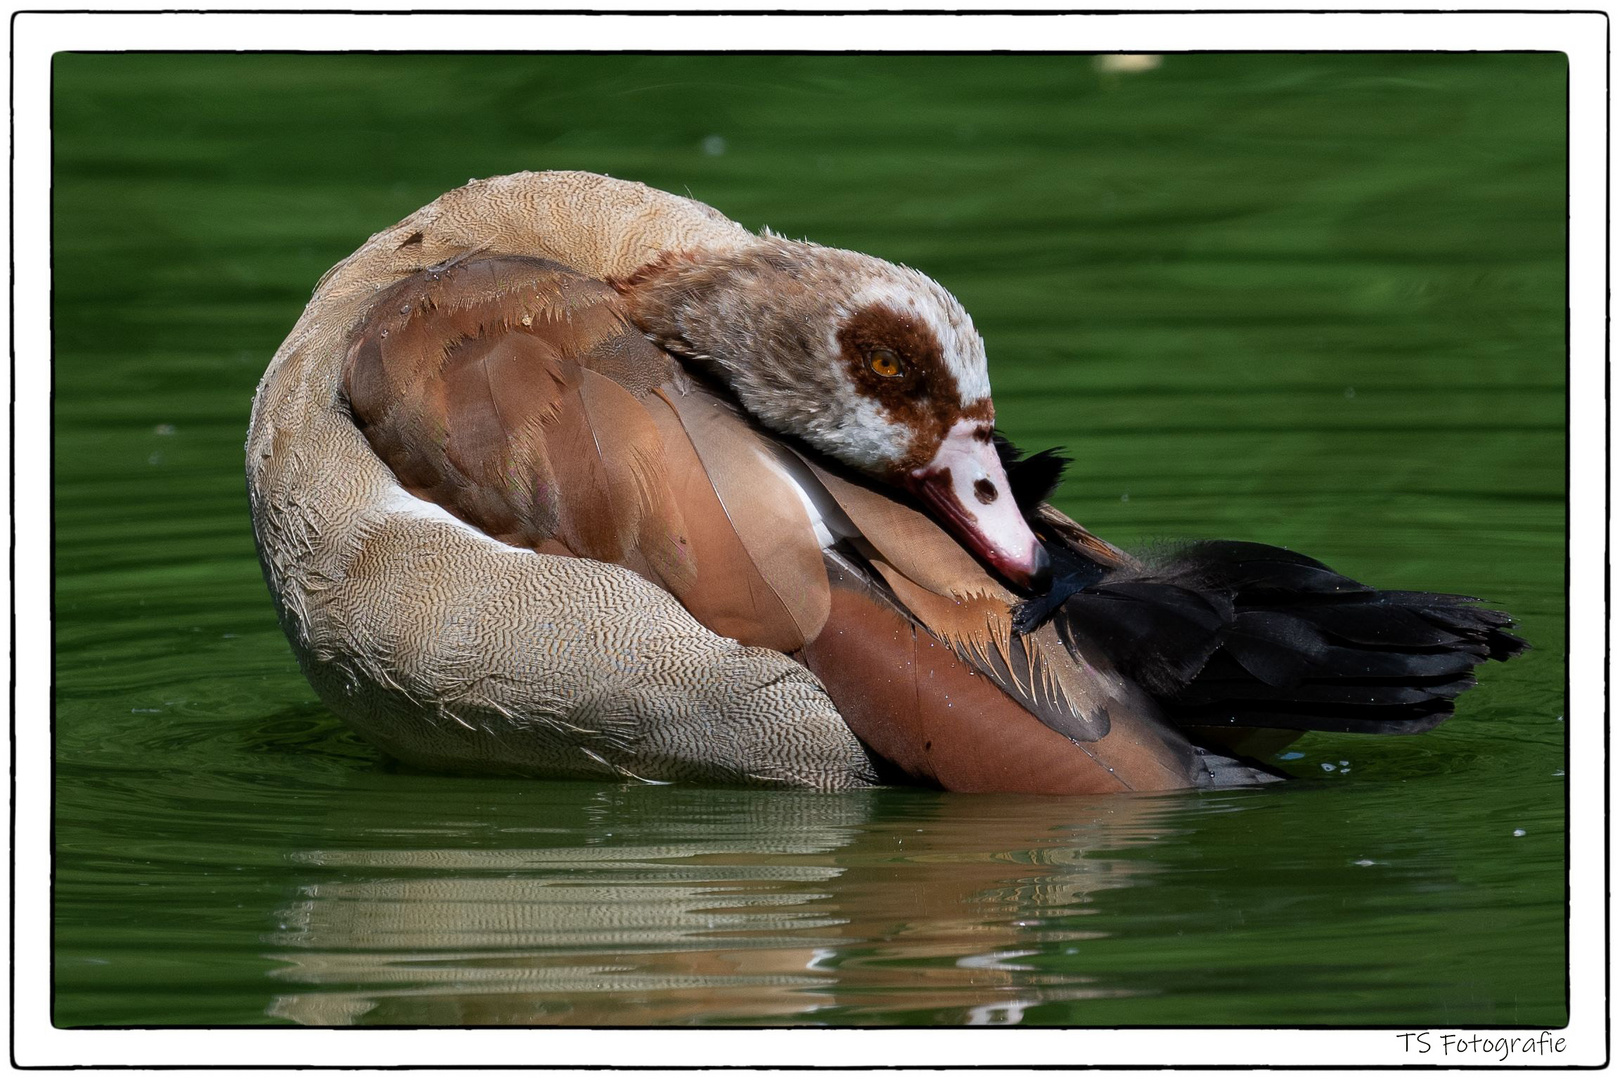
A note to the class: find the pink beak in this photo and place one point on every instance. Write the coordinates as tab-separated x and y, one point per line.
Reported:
966	487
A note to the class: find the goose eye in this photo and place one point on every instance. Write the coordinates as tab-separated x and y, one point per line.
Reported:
885	363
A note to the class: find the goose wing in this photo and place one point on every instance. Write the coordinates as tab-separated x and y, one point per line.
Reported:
1233	636
514	393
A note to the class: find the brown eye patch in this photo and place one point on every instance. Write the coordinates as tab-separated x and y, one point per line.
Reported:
922	395
889	352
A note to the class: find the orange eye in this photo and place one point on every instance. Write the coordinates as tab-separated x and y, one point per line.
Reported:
885	363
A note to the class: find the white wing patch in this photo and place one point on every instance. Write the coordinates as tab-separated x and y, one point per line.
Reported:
400	501
826	516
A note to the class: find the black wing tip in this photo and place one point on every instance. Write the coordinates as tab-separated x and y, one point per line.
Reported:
1030	615
1287	641
1505	646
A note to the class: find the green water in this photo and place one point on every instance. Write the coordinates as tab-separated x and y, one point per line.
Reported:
1312	300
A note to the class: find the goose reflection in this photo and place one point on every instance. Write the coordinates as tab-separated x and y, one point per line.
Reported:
960	900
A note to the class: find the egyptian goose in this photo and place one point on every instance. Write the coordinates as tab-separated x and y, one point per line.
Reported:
566	476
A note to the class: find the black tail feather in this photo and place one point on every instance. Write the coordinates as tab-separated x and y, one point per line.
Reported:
1160	635
1240	635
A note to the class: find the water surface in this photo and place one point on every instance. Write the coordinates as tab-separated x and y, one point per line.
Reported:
1311	300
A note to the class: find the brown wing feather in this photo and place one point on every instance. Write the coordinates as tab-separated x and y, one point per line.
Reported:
910	540
514	393
769	520
634	455
951	594
939	720
1037	671
727	591
493	434
473	382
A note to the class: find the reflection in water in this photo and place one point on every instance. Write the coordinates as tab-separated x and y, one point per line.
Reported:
946	898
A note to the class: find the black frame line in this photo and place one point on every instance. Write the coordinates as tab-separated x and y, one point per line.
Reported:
1568	369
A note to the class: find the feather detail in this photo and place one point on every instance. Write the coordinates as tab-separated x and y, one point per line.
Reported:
951	594
505	390
1233	636
767	516
934	719
908	539
1052	524
1037	672
474	381
641	456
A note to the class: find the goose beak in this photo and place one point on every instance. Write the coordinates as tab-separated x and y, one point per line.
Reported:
966	488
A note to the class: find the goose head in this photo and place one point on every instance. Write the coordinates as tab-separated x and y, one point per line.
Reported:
873	364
